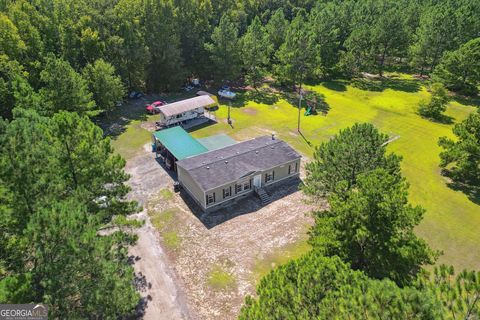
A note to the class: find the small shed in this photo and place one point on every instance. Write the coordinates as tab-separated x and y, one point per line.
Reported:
175	144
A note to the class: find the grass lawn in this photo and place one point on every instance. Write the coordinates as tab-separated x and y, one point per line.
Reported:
452	221
130	142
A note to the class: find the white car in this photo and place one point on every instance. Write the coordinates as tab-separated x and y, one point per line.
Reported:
227	94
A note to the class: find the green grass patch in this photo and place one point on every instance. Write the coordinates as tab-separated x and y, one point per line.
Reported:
166	194
281	256
220	279
160	220
122	221
452	220
171	239
164	222
130	143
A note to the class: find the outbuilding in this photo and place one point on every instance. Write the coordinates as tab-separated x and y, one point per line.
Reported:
188	109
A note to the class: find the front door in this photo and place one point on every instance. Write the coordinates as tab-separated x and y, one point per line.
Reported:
257	181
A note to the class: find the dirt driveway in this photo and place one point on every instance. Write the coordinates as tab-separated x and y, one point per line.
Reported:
198	266
161	295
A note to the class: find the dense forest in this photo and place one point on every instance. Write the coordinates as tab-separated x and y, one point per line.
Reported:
64	61
90	52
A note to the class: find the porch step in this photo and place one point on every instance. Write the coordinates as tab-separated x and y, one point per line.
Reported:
263	195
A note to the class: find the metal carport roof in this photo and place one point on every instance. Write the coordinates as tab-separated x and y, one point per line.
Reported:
182	106
179	142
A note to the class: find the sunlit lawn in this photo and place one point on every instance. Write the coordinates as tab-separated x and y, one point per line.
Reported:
452	221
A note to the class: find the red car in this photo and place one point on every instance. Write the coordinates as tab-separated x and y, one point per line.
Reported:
154	107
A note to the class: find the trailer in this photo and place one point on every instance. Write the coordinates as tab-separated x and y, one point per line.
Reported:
184	110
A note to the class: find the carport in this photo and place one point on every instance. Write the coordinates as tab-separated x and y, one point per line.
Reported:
175	144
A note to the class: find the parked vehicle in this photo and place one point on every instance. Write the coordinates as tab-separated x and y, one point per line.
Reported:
227	94
135	95
154	107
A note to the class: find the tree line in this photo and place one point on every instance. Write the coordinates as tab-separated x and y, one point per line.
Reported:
108	47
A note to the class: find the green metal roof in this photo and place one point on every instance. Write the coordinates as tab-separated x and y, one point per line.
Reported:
181	144
217	141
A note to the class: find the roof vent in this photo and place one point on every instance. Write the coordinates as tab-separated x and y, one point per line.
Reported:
226	161
208	167
256	151
273	136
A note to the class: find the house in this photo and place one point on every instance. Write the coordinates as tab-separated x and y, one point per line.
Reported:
217	177
188	109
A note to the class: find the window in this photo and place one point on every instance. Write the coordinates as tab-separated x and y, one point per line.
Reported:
227	192
293	168
243	186
269	176
210	198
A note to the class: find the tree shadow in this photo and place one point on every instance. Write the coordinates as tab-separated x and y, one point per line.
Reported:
381	84
318	107
443	119
115	122
335	85
471	191
470	188
468	101
261	96
142	286
239	101
247	204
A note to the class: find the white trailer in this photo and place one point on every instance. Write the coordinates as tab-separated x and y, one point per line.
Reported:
184	110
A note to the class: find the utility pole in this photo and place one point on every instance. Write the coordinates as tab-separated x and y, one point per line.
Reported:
228	117
300	99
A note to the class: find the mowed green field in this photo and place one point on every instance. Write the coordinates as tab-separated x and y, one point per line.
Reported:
452	221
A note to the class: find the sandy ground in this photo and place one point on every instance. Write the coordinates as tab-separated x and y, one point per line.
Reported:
175	283
158	285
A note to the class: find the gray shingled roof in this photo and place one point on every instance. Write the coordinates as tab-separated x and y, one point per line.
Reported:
216	168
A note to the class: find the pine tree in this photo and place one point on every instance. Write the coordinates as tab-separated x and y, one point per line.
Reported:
106	86
338	162
437	103
224	50
165	71
255	52
372	228
63	88
296	54
462	156
459	70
